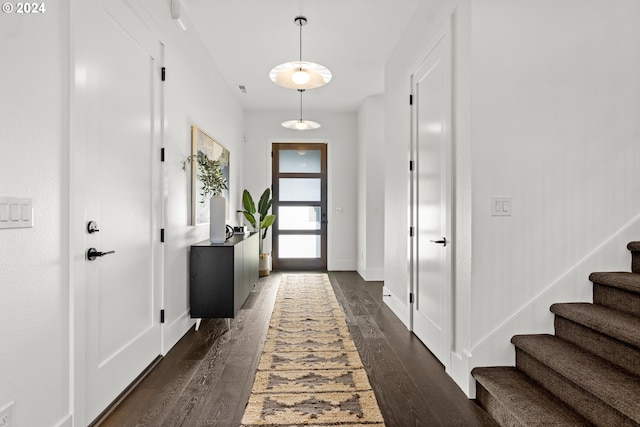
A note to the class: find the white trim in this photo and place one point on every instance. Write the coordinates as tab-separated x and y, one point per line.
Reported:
602	246
67	421
399	308
445	31
341	264
172	332
371	274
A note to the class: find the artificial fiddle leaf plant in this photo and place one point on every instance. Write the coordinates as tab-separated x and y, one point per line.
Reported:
266	220
210	174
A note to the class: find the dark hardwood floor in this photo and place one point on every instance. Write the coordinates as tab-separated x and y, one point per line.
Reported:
206	379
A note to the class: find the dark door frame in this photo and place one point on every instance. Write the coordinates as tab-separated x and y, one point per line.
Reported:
300	263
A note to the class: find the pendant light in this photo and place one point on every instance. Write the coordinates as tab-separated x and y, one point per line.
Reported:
301	124
300	74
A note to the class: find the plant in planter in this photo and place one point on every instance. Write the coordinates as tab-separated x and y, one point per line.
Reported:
210	173
213	183
260	224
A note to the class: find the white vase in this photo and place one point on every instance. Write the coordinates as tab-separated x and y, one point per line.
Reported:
217	219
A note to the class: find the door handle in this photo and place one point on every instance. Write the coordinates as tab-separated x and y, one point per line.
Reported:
93	253
442	242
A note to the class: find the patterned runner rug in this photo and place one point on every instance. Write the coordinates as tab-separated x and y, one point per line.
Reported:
310	373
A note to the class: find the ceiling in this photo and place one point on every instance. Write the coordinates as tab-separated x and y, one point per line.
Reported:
353	38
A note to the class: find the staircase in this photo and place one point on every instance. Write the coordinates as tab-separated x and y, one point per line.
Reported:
588	373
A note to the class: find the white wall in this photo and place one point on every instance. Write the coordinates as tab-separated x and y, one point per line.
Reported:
546	100
34	269
371	170
556	99
412	49
339	131
195	94
35	355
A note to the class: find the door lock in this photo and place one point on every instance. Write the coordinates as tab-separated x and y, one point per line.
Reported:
93	253
92	227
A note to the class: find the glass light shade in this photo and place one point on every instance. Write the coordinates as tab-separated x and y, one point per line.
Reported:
301	124
286	75
301	77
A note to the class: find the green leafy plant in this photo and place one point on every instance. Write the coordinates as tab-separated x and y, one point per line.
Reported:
266	220
210	174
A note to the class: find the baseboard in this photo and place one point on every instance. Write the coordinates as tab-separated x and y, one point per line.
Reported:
460	372
396	305
342	265
67	421
175	330
371	274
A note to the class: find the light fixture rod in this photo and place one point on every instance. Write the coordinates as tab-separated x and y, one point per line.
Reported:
301	90
300	56
300	21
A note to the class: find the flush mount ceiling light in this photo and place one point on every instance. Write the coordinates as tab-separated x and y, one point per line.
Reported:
300	74
301	124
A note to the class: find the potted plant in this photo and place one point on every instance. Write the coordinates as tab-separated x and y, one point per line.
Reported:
213	183
260	224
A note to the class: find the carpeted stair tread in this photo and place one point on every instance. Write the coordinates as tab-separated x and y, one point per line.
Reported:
517	400
621	279
621	326
603	380
634	246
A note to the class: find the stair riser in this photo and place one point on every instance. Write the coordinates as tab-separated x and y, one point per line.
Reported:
618	299
623	355
495	409
582	402
635	262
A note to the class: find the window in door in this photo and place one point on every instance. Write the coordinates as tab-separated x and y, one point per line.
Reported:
300	205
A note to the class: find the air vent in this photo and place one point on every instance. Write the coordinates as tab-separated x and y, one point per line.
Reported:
242	88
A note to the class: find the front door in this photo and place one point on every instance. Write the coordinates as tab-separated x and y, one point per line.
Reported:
300	205
116	184
432	186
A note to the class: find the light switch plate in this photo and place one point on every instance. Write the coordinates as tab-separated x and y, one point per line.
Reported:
16	212
501	205
6	416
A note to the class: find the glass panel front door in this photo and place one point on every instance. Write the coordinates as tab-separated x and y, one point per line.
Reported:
300	205
299	217
300	161
300	189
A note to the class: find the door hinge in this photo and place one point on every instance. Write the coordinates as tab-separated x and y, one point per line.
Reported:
410	165
410	231
410	297
162	316
162	154
164	74
162	235
410	99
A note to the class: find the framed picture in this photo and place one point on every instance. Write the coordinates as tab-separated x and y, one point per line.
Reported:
201	142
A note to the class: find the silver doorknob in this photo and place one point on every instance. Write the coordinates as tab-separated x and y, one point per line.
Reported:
93	253
442	242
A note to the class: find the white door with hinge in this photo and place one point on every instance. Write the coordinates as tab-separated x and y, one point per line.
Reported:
116	201
432	198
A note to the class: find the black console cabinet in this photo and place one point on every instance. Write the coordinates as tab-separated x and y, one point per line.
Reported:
221	275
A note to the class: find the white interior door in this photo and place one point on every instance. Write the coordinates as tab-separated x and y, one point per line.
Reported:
431	309
117	124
